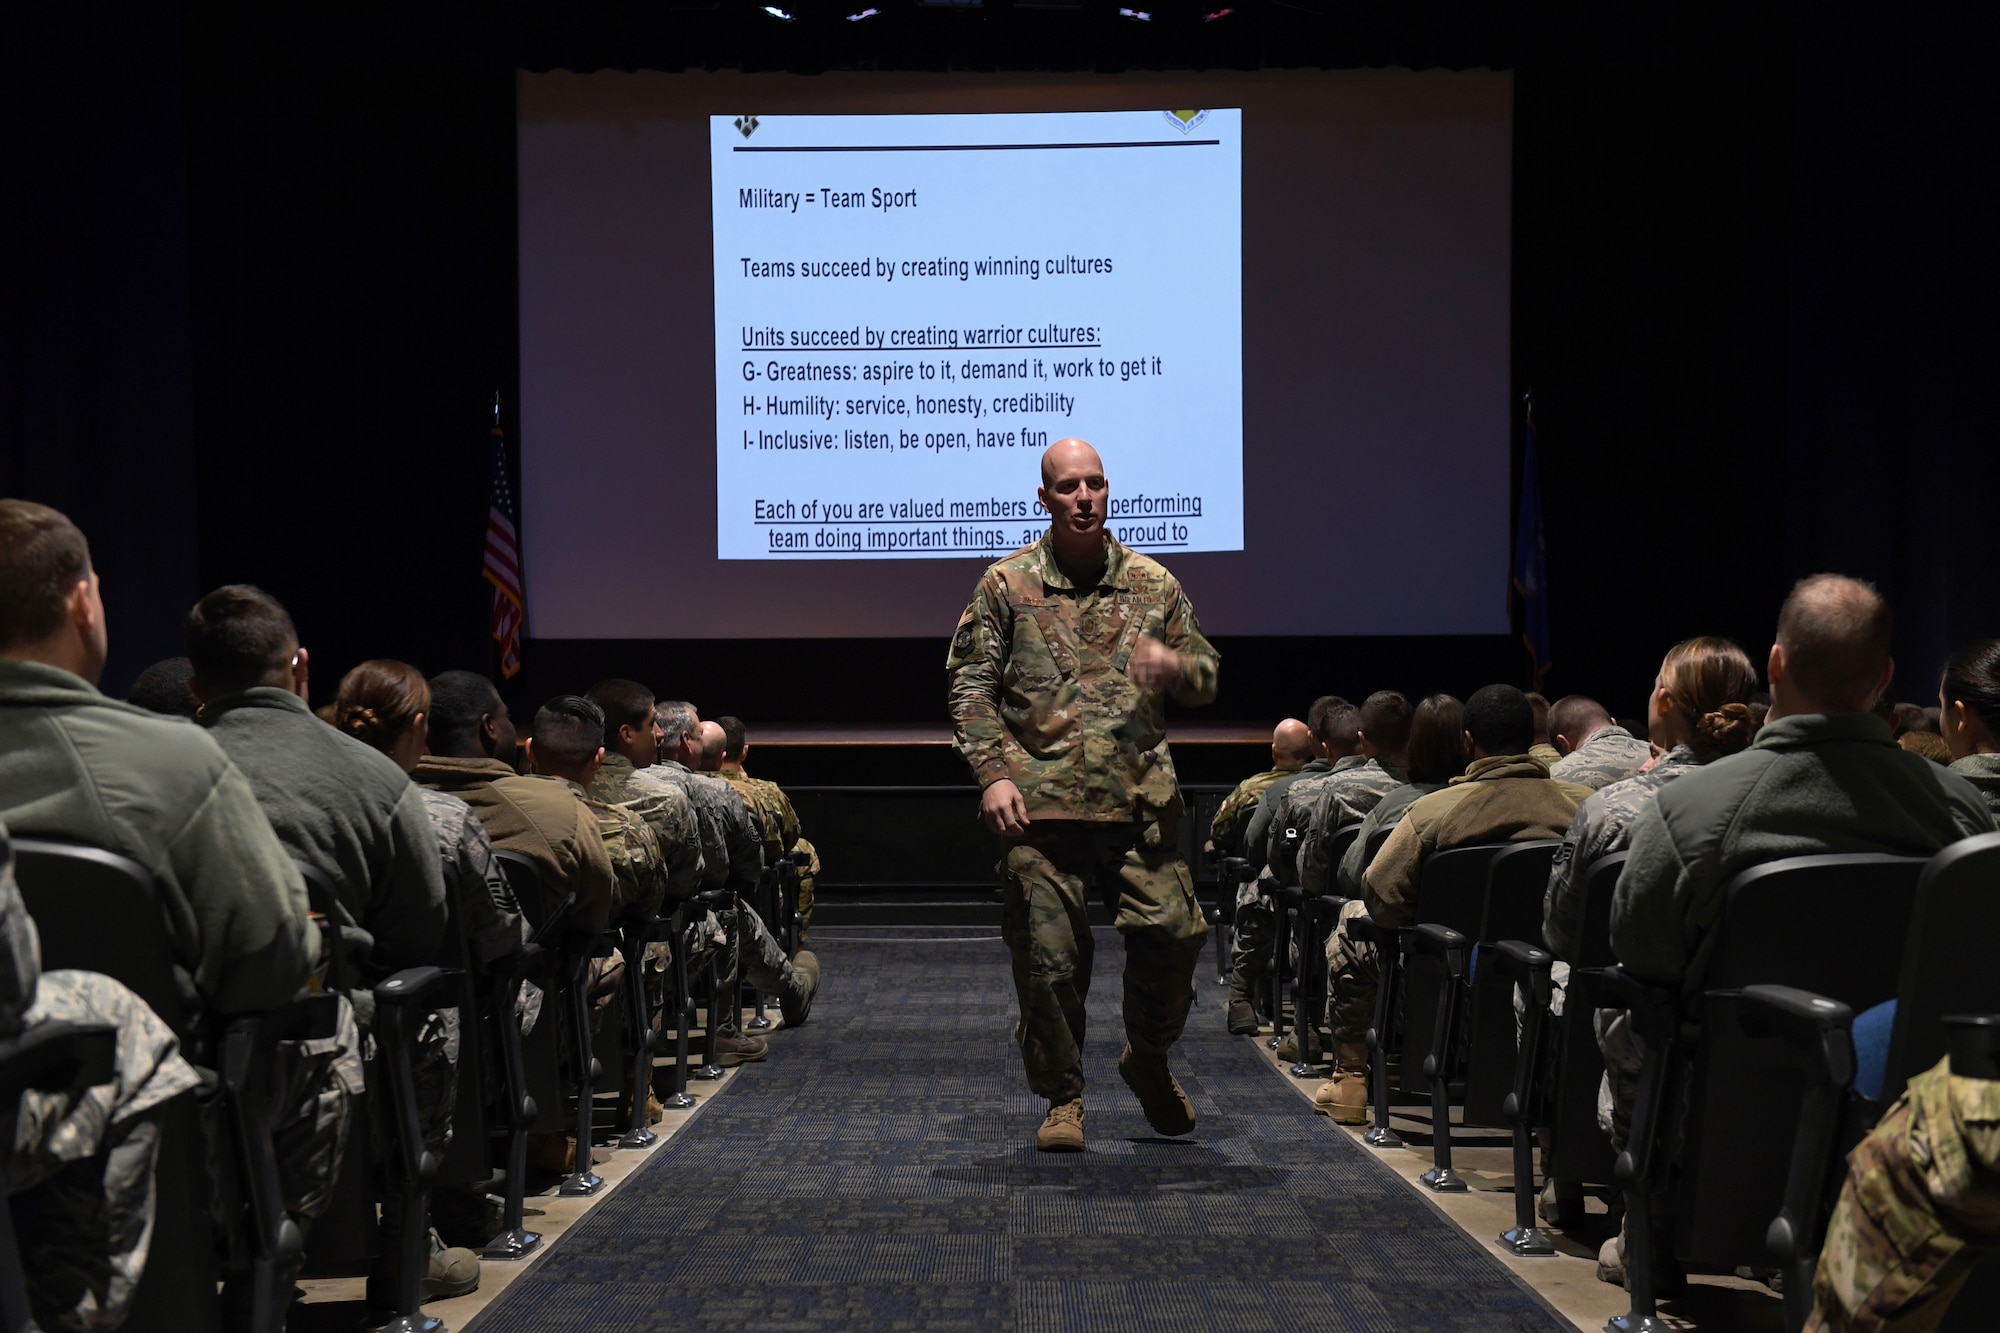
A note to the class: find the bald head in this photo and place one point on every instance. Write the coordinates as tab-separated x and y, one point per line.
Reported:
1077	499
1832	654
713	742
1069	456
1291	744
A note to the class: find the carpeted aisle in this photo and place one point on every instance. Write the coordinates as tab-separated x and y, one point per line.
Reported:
878	1172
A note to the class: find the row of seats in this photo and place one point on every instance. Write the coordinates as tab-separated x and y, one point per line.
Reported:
97	911
1739	1129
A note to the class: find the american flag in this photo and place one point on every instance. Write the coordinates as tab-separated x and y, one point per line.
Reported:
503	562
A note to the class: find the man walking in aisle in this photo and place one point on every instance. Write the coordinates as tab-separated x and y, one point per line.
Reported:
1059	672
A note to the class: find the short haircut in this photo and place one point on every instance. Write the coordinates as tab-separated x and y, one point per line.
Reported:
625	704
458	700
1540	703
1834	631
163	688
569	731
1500	719
734	737
239	636
1576	712
43	556
1385	720
1437	739
1316	715
1339	727
677	718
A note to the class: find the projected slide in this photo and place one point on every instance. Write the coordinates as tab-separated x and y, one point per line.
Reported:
910	308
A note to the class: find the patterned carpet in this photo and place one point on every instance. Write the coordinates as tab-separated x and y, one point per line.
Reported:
877	1172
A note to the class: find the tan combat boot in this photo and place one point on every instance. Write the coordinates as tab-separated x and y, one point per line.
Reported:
1344	1097
1167	1108
1063	1130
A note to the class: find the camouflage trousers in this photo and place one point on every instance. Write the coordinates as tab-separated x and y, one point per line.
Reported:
765	966
82	1160
1353	973
1252	926
1047	881
1920	1208
808	876
1624	1053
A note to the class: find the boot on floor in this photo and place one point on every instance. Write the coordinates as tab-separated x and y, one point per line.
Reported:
1062	1130
1167	1108
1344	1097
1242	1014
795	1001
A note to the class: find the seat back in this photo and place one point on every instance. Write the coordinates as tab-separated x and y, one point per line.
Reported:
1833	925
1451	892
541	1053
1947	965
100	912
1516	882
1579	1150
1336	841
342	973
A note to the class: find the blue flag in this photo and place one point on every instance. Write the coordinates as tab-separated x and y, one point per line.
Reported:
1531	560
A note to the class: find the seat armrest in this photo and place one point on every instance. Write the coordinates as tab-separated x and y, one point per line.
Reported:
1438	941
1236	869
1523	962
1973	1043
412	985
1818	1028
1651	1004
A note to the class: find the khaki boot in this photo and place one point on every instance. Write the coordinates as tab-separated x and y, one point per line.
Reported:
733	1048
795	1003
1344	1097
1167	1108
1242	1015
1062	1131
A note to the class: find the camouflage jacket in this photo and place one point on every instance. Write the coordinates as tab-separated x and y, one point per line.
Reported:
772	807
638	868
1603	825
666	808
1609	754
732	840
489	916
1348	880
1225	831
1983	772
1317	806
1039	693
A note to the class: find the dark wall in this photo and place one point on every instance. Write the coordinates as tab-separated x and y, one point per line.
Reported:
259	278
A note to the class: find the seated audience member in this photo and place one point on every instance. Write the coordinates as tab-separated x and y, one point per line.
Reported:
1596	751
1926	745
1699	712
79	1161
1503	796
1969	713
1822	776
1331	720
336	804
1319	806
1541	749
77	767
781	821
1920	1208
472	743
1905	718
631	747
1434	756
568	746
163	688
1291	750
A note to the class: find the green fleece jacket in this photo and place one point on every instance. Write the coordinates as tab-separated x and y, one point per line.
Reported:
349	812
78	767
1810	784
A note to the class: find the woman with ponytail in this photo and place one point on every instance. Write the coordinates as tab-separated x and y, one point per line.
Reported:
1969	716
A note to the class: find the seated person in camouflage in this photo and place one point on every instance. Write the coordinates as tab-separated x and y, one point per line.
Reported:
1320	807
1969	716
1503	796
337	805
781	821
1700	712
1434	756
1919	1210
472	743
631	747
78	767
1541	749
729	826
1822	776
1596	751
80	1161
1334	725
163	688
1292	748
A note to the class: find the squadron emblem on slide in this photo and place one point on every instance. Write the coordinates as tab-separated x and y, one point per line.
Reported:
748	125
1184	121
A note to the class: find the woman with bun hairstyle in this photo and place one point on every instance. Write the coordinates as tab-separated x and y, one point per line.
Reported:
1969	716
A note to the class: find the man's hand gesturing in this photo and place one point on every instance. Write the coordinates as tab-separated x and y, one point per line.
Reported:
1002	810
1154	666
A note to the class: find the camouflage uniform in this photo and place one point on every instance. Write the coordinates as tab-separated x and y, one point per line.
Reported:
1983	772
1920	1208
781	832
1319	807
1039	696
1610	754
490	917
665	807
88	1153
1225	831
1388	813
1549	755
